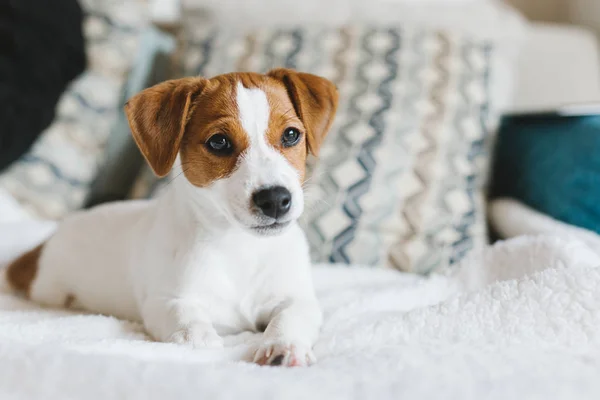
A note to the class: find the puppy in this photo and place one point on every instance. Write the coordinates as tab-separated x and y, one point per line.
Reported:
219	252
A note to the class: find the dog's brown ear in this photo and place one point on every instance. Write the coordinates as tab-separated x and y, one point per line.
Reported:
158	116
315	100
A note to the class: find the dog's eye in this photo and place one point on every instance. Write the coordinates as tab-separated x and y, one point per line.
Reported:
219	144
290	137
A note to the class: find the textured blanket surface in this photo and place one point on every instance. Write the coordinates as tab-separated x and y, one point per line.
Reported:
517	320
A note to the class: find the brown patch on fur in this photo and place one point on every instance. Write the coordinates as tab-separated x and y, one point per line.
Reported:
158	117
282	116
21	272
217	113
181	116
315	101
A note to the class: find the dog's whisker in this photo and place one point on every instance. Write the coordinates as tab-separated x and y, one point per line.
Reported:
176	176
286	113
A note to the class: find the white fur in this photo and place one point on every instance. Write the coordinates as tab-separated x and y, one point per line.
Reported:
188	264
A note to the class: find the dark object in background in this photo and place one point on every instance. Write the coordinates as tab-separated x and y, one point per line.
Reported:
551	163
42	49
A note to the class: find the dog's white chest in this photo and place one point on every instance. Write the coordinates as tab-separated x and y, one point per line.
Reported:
232	277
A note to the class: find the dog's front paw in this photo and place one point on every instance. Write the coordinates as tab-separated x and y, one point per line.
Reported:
284	354
197	336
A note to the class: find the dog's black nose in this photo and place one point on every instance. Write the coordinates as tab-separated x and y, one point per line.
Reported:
274	202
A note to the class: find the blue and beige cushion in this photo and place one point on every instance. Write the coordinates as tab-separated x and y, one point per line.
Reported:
400	177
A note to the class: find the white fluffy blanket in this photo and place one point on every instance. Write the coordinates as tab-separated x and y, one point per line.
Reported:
517	320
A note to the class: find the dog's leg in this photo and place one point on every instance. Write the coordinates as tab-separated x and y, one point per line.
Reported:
290	334
179	321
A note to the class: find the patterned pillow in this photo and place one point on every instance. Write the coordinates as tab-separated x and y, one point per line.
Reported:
400	176
54	177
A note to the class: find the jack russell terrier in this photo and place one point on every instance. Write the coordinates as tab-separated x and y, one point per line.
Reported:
219	252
